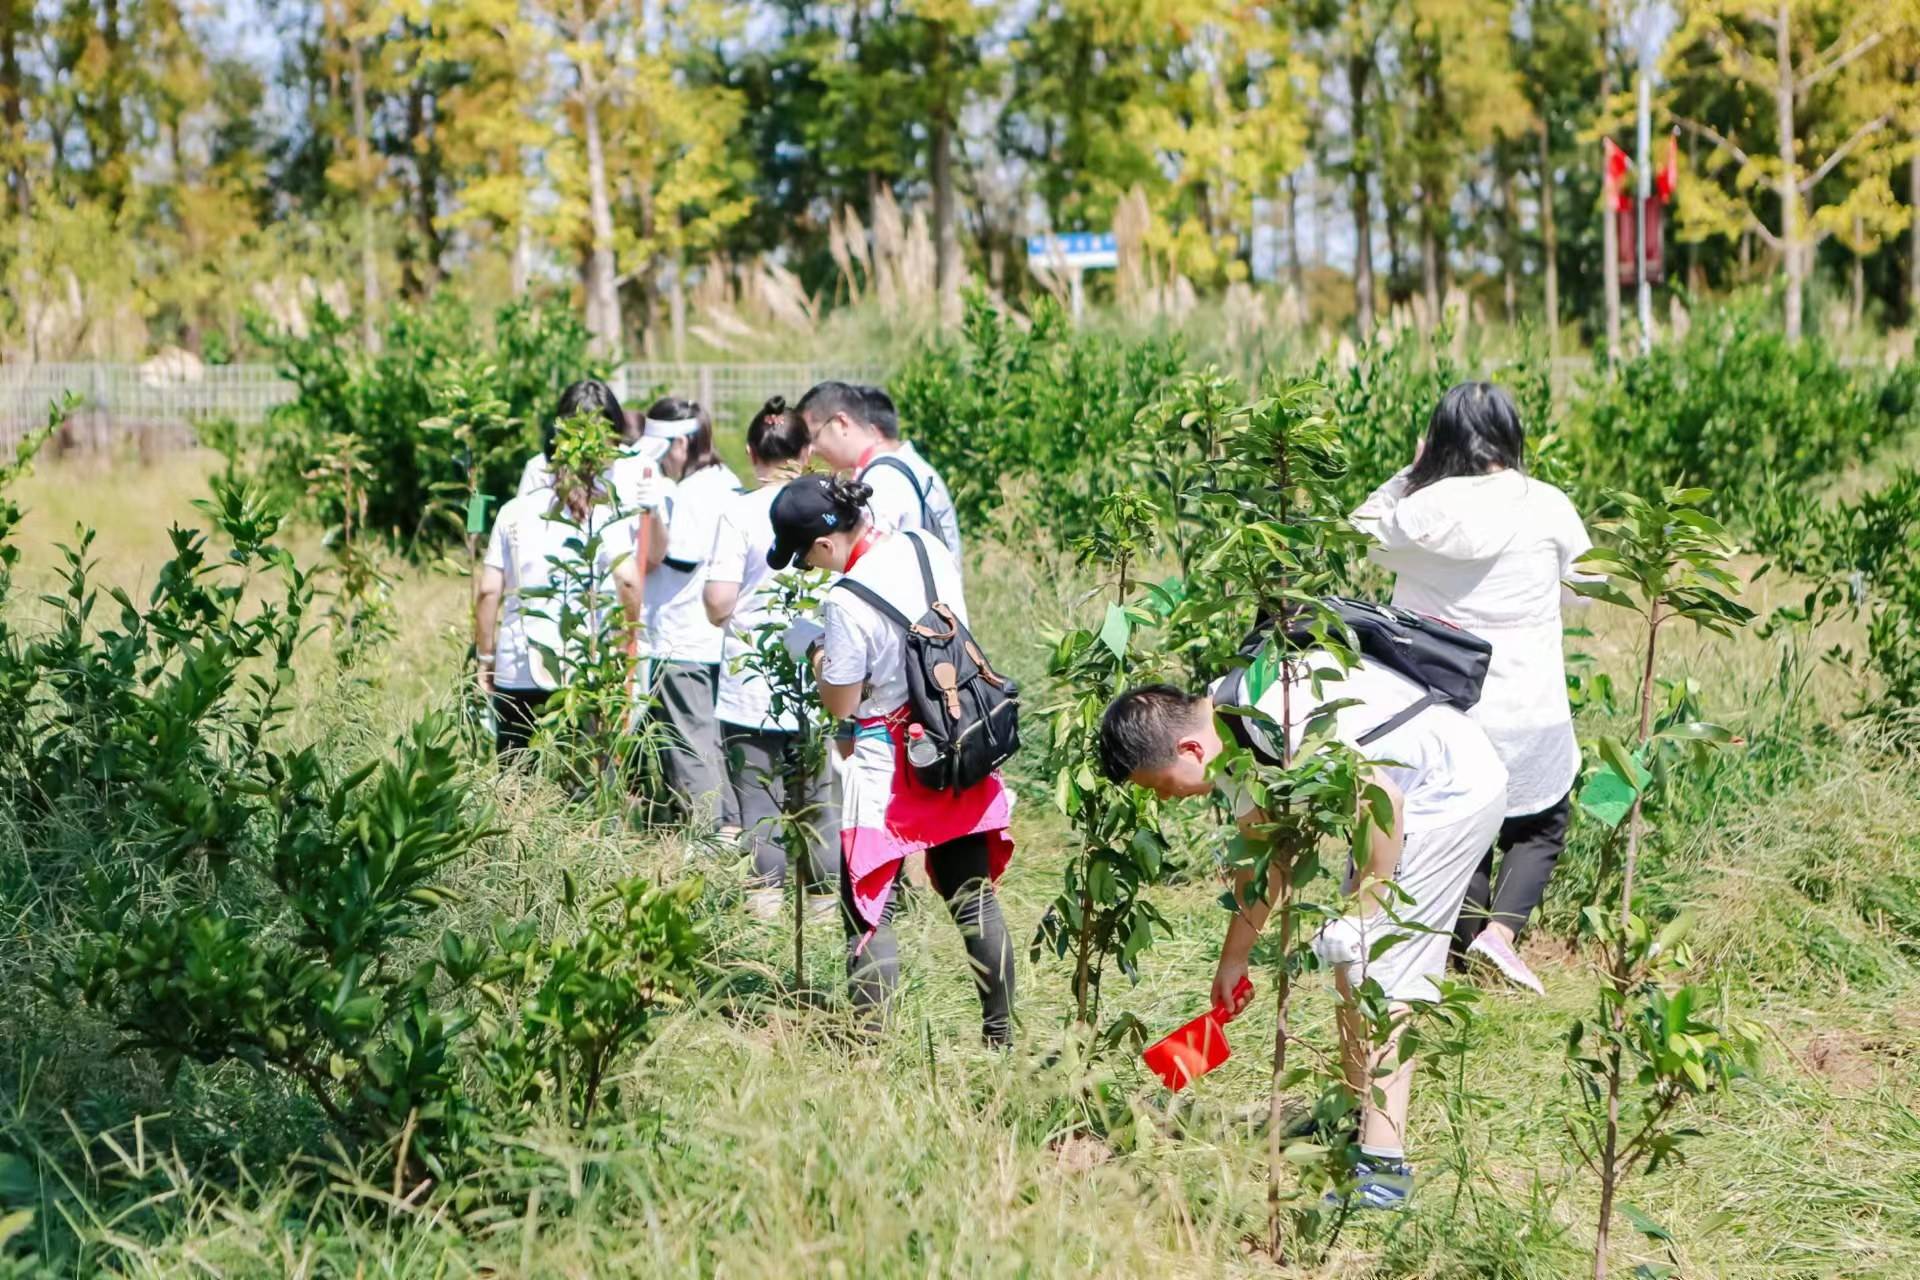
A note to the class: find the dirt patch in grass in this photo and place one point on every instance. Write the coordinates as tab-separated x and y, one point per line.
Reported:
1845	1059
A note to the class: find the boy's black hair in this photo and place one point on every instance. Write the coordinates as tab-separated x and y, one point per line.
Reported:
589	395
1473	428
880	411
824	399
1141	727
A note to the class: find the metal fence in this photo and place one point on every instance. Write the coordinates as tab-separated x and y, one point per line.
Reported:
151	407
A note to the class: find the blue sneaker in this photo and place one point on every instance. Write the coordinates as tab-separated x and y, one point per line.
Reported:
1377	1184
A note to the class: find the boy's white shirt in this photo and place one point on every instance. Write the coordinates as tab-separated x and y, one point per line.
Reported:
1440	760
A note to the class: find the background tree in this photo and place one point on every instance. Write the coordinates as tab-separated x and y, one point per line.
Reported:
1813	106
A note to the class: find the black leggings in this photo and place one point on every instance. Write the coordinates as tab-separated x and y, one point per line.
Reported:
1529	846
514	713
958	870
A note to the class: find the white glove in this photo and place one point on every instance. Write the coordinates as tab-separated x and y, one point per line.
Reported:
1341	942
650	491
800	636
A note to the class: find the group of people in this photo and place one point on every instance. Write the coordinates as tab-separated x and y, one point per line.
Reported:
692	558
1480	799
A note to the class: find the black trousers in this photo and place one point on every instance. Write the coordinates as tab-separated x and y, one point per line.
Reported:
515	712
958	870
1528	848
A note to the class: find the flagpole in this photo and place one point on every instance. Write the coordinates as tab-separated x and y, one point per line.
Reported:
1643	175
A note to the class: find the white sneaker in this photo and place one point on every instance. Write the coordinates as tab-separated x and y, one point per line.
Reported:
1499	953
766	904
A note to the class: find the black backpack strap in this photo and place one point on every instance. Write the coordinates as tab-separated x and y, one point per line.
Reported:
1406	713
926	568
878	601
890	460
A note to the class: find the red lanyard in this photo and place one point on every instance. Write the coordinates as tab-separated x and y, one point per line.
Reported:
866	457
867	539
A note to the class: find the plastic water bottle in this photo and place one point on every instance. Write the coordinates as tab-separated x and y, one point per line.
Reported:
920	749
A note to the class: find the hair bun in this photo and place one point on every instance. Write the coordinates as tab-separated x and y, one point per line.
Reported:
774	406
849	492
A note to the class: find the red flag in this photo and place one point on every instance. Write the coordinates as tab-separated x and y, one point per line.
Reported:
1616	167
1668	178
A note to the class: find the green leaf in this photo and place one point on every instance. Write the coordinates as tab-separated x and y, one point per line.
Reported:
1608	797
1645	1225
1116	630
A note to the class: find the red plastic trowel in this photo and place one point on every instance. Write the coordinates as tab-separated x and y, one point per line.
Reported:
1196	1048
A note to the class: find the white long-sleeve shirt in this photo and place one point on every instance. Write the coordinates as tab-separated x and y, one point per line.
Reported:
1489	553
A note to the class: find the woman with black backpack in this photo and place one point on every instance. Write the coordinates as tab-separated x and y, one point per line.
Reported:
887	811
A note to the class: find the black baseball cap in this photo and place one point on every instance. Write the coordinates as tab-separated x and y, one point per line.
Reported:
803	512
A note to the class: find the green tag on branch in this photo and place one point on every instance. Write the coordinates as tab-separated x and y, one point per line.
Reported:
1263	672
1116	630
1608	797
477	513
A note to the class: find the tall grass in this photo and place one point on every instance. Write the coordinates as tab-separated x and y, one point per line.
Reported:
755	1136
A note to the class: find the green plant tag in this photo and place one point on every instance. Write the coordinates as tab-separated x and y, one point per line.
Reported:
477	513
1115	631
1607	796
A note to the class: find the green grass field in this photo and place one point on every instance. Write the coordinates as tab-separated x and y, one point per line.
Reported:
754	1138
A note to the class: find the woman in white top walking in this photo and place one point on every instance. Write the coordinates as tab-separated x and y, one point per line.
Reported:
763	748
1472	539
683	645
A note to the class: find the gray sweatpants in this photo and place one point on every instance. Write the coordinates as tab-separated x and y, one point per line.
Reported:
690	746
757	764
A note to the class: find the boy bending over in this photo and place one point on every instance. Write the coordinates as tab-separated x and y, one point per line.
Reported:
1448	790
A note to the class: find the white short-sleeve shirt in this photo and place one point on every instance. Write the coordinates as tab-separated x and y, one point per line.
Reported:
896	503
1440	760
532	548
677	629
861	643
630	468
740	544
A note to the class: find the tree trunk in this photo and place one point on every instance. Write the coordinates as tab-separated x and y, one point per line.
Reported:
14	18
603	290
1296	273
1609	232
1857	312
363	193
522	255
1549	243
1913	235
1396	216
946	243
1358	69
1788	184
1509	241
1430	252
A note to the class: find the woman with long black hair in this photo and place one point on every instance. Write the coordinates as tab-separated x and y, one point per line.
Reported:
1473	539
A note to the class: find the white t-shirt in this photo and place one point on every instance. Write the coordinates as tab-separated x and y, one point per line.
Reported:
527	540
633	465
1488	554
740	546
1441	761
896	504
861	643
677	629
